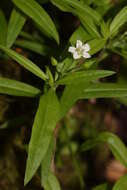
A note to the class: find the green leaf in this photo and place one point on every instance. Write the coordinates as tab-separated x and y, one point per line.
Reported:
79	34
15	25
52	183
45	121
77	8
70	95
32	9
121	184
84	76
104	90
24	62
89	26
16	88
105	30
46	162
117	147
74	92
104	186
27	36
61	5
34	46
48	180
118	21
87	15
96	45
3	28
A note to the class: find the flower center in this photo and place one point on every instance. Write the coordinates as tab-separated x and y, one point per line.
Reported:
79	51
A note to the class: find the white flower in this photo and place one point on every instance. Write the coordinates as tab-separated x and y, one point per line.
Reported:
81	50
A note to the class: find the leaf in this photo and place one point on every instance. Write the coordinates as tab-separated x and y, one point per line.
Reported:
104	90
89	26
33	10
48	180
79	34
85	10
44	123
121	183
15	25
96	45
77	8
104	186
74	92
27	36
84	76
34	46
46	162
52	183
3	28
117	147
70	95
16	88
87	15
24	62
118	21
61	5
105	30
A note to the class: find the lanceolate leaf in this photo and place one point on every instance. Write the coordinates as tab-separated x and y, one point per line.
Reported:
3	28
48	180
16	88
46	162
87	90
118	21
121	184
32	9
79	34
118	149
89	26
34	46
96	45
23	61
104	90
52	183
15	25
70	95
45	121
87	15
78	8
61	5
84	10
84	76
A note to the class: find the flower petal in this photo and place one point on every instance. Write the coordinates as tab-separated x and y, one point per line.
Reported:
72	49
86	55
78	44
86	47
76	55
